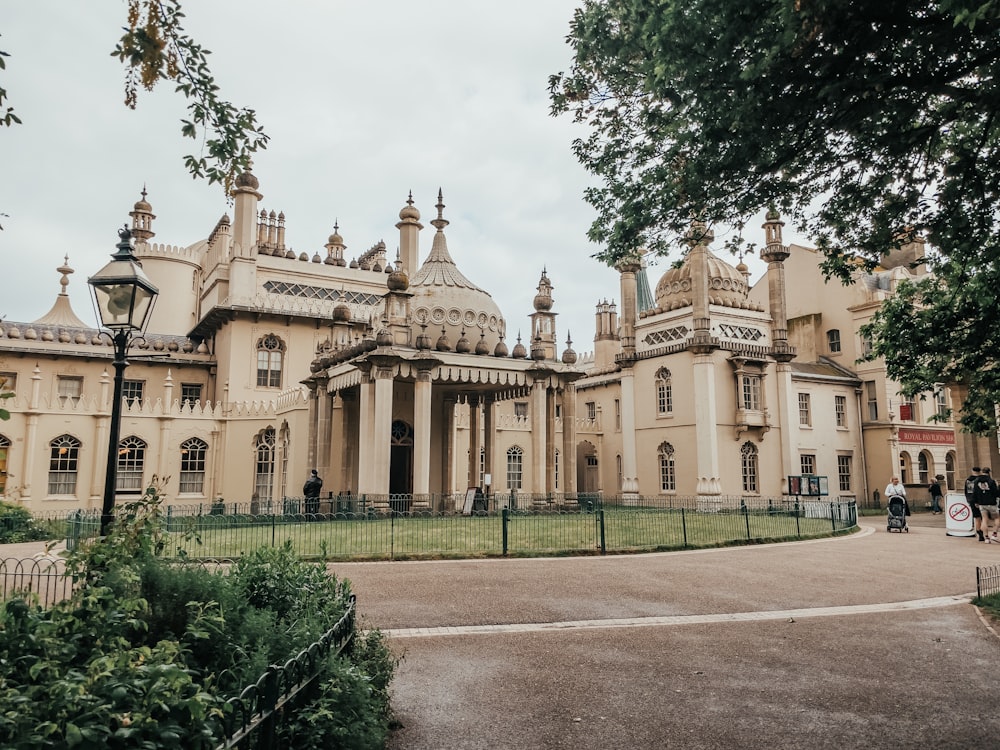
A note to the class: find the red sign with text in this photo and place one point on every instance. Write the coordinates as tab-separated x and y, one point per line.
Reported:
913	435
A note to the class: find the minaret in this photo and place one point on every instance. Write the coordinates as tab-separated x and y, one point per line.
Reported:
335	248
605	334
699	237
543	320
775	253
142	219
245	198
409	227
628	269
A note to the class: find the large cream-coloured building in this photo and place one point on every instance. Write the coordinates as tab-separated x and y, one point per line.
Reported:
395	378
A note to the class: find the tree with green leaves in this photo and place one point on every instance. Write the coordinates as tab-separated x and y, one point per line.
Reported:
866	123
155	48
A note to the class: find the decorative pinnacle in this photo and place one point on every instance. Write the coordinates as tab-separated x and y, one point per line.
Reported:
409	199
440	222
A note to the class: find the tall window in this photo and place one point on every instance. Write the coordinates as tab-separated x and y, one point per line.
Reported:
264	450
867	345
4	449
751	392
270	351
833	340
904	467
668	476
941	403
805	410
69	388
840	410
515	467
193	452
749	455
871	395
591	407
923	467
131	459
664	392
949	470
132	391
807	462
190	394
64	458
844	473
619	471
618	414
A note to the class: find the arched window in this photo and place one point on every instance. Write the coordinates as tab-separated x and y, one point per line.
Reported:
4	448
923	467
263	479
668	476
904	467
664	392
64	459
949	470
131	460
270	351
750	468
515	467
193	452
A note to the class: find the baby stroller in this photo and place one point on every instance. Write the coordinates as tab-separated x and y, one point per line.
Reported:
897	515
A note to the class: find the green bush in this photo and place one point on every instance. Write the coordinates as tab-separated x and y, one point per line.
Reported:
146	652
17	525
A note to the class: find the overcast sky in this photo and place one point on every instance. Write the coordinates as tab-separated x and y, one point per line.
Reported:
363	103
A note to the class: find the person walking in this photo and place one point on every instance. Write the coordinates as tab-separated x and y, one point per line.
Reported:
986	499
936	494
970	498
895	489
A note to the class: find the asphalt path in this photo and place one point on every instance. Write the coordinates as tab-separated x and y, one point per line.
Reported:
865	641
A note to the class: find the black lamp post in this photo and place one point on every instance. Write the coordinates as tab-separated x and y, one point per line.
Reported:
123	298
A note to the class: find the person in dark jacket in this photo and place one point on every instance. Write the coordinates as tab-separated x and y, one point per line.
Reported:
311	490
986	499
936	494
970	498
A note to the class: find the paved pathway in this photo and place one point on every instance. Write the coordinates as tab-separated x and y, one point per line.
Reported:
865	641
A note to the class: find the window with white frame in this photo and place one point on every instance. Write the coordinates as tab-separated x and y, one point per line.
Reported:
923	467
131	460
190	394
133	391
664	392
840	410
8	381
805	410
751	392
521	409
64	458
807	463
69	388
264	454
941	403
193	454
871	396
748	454
867	345
270	352
904	467
949	470
844	473
515	467
591	407
833	340
668	475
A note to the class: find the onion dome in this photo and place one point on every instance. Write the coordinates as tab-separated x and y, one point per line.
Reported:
481	346
341	313
247	180
537	349
354	263
519	351
305	257
442	342
501	349
568	355
142	204
397	281
543	300
463	345
423	340
290	255
316	258
443	296
383	337
727	285
409	211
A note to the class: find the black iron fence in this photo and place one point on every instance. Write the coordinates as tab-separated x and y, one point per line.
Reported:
590	526
988	581
41	577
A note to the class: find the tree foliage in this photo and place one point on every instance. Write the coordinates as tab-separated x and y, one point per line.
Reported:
866	123
156	48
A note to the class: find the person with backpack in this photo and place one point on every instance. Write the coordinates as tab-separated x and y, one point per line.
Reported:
970	498
986	499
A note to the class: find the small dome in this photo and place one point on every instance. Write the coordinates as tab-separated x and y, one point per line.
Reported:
442	343
383	337
519	351
247	180
341	313
142	204
354	263
423	340
316	258
568	355
463	345
726	285
335	239
409	211
481	346
501	349
305	257
397	280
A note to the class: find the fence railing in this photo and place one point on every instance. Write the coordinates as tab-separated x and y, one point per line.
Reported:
588	528
252	717
43	577
987	581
